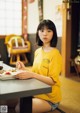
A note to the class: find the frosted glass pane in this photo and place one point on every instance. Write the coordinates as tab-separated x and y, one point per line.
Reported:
17	15
9	23
10	16
2	14
17	7
17	22
17	31
9	5
2	23
7	0
17	1
2	5
9	30
2	30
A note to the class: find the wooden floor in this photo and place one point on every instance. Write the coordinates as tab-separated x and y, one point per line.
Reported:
70	87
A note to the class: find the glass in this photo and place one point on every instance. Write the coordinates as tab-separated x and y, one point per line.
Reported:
1	65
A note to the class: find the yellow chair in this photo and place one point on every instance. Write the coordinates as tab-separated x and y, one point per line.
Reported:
17	48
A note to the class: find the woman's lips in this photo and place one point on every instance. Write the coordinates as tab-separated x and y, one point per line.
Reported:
44	38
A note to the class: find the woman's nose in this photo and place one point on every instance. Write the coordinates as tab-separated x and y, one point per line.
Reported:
45	33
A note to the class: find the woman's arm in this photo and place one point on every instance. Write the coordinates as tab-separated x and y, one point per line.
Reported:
45	79
28	74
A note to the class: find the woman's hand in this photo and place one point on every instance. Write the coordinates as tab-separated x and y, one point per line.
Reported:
20	65
24	75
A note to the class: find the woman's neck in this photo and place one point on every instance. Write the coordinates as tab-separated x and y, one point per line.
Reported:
47	48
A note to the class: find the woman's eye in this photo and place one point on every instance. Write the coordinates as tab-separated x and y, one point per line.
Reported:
42	30
49	30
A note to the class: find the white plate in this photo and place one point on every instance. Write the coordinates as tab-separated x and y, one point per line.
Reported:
7	77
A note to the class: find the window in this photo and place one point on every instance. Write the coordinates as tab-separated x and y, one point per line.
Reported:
10	17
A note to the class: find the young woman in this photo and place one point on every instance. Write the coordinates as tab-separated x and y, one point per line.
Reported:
46	68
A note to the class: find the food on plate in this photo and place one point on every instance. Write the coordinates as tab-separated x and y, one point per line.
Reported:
2	71
10	72
1	67
7	73
14	70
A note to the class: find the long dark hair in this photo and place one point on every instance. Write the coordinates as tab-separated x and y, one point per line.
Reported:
50	25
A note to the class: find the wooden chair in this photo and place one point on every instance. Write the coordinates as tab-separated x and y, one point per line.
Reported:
17	49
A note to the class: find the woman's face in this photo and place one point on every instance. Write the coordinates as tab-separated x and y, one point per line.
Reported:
45	35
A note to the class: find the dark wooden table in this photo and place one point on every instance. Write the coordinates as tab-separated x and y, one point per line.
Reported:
23	89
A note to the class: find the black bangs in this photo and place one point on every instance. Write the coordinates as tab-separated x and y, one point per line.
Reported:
46	24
